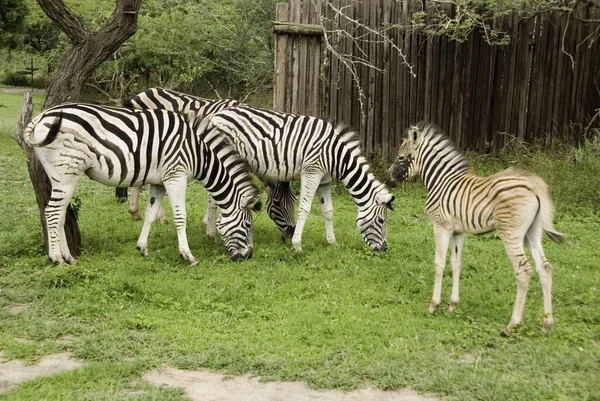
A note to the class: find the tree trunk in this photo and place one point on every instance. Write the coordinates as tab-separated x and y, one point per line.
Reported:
88	51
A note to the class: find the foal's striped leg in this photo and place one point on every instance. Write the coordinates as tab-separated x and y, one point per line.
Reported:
533	240
455	262
442	240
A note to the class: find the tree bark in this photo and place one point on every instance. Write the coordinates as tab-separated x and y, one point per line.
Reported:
88	51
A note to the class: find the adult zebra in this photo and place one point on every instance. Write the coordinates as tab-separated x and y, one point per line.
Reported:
281	147
123	147
280	195
514	203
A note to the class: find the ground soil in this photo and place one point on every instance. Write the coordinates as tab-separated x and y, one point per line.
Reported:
206	386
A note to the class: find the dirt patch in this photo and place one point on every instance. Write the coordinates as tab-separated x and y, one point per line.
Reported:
13	373
22	90
208	386
17	309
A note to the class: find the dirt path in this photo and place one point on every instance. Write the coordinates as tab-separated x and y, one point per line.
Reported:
22	90
13	373
207	386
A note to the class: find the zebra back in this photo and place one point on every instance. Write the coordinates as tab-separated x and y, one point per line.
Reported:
196	107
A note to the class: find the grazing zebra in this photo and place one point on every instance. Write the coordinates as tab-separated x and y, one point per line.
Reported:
281	196
124	148
514	203
281	147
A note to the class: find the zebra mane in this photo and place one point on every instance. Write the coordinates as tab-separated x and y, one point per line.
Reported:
214	139
351	138
345	130
437	138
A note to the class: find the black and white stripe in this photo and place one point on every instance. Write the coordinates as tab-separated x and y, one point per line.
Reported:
514	203
282	147
280	195
125	148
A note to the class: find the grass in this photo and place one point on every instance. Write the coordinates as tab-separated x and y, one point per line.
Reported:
334	316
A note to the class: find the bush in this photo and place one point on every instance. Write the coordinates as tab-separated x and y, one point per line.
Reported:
14	79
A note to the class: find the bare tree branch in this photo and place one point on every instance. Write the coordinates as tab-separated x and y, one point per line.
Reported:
70	23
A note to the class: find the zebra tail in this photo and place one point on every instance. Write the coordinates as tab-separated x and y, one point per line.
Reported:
547	212
53	131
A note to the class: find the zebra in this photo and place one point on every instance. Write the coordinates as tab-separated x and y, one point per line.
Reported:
281	197
281	147
514	203
122	147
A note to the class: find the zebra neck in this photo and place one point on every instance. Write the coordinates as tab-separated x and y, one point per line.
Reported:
440	165
360	184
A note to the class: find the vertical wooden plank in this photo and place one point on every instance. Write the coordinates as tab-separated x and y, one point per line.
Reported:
392	81
326	70
378	91
333	79
473	109
357	119
422	77
428	43
292	102
524	66
412	93
436	89
534	85
348	91
281	50
448	74
384	126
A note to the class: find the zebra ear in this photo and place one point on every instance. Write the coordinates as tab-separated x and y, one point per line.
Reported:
385	199
252	202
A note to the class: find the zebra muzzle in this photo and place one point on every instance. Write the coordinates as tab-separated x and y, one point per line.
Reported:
238	256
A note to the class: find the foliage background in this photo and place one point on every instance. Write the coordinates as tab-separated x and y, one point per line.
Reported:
210	48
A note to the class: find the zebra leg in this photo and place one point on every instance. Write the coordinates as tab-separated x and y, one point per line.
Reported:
456	246
162	216
134	203
442	240
533	241
523	273
210	220
324	194
55	212
156	194
176	189
309	185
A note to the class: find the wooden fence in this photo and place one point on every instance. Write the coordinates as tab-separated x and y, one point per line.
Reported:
543	85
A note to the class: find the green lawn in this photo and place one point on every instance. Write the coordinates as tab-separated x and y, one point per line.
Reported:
334	316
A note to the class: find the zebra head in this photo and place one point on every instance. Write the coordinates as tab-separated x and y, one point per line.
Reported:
372	219
403	167
280	207
236	229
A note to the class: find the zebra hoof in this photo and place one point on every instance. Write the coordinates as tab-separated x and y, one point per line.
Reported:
135	216
70	260
143	251
452	307
505	332
432	308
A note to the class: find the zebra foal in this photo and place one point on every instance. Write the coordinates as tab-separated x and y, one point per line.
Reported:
514	203
280	195
125	148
